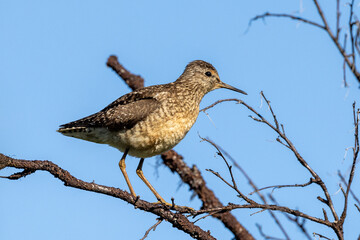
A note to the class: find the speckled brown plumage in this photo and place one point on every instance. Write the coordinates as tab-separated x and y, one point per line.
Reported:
151	120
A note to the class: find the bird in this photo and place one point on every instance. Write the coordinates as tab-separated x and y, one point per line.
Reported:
150	120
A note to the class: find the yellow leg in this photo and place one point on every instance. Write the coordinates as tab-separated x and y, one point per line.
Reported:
141	175
123	170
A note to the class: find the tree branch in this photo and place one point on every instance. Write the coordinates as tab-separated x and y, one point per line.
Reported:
177	220
153	227
335	38
284	186
355	156
132	80
284	209
284	15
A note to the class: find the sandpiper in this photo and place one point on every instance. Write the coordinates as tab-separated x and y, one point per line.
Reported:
150	120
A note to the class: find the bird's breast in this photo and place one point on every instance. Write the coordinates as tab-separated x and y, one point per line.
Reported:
159	132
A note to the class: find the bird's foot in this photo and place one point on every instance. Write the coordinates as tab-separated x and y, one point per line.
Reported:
174	206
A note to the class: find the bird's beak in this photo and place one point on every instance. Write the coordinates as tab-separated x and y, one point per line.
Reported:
227	86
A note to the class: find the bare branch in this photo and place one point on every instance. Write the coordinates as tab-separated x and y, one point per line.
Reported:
229	184
355	156
281	142
356	40
153	227
350	64
284	209
320	236
295	220
351	192
358	208
132	80
338	14
283	186
220	101
352	34
284	15
192	177
325	215
210	214
272	112
322	200
264	235
18	175
177	220
234	186
321	13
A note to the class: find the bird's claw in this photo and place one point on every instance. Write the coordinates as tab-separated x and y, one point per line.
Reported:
174	206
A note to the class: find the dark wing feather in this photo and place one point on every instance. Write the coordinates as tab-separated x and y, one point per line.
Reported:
122	114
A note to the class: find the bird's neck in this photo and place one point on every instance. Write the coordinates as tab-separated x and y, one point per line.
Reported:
190	91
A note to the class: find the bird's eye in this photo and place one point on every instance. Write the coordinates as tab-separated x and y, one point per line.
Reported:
208	74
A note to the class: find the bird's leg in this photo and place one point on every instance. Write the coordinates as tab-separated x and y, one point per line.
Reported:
123	170
141	175
157	195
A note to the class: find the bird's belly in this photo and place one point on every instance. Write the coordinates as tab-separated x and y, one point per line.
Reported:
154	136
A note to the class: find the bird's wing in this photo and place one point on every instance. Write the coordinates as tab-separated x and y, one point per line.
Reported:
122	114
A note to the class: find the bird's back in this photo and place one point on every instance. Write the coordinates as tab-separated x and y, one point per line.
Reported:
149	121
120	115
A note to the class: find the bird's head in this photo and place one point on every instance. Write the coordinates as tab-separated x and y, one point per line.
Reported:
205	75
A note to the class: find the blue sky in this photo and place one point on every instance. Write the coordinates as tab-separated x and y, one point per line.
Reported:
53	71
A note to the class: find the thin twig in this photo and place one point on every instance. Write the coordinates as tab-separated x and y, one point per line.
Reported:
344	64
264	235
357	206
355	156
153	227
230	185
271	110
320	236
284	209
356	41
18	175
351	192
338	19
210	214
284	15
295	220
223	157
133	81
220	101
283	186
352	33
325	215
233	185
350	64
